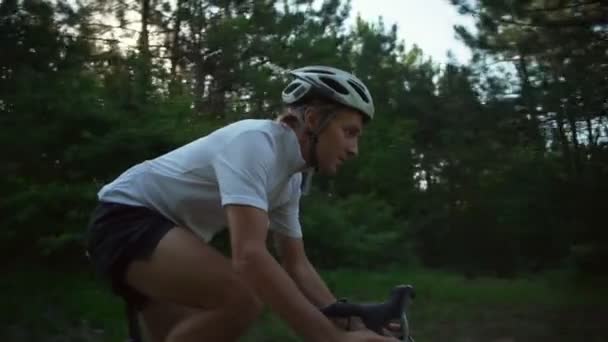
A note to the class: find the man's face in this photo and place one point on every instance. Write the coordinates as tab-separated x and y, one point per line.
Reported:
339	141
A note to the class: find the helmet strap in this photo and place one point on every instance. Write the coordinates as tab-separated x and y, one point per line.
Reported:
314	140
312	152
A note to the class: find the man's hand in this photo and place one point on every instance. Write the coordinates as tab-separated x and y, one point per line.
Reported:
341	323
356	324
366	336
393	329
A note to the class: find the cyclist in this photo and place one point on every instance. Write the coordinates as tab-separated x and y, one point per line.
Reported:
150	231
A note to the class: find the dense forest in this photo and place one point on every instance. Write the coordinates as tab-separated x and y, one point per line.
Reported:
496	167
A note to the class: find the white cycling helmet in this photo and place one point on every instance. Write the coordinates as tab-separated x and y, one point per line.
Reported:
332	83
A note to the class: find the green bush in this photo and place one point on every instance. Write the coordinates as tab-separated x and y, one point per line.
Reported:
46	220
355	231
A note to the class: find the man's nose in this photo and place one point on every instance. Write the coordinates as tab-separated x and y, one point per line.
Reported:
353	150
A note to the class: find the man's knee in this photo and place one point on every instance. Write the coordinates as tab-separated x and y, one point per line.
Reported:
226	322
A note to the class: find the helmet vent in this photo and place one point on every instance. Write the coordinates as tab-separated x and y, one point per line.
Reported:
319	71
299	92
359	90
334	85
291	88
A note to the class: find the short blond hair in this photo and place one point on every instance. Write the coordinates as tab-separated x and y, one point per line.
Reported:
294	114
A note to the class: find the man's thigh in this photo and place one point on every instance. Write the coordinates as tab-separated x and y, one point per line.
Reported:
186	271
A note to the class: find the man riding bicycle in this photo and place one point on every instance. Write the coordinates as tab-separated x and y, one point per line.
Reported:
149	234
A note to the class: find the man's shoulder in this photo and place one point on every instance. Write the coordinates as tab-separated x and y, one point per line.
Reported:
266	141
255	125
255	130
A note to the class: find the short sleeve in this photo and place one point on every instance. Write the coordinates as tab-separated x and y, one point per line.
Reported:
242	169
285	219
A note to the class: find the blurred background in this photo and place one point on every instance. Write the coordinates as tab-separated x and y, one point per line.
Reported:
482	182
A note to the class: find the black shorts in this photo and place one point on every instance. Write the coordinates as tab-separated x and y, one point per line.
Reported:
119	234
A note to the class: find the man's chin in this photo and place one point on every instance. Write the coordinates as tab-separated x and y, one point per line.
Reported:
329	171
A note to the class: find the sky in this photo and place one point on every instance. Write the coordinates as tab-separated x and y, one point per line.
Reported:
426	23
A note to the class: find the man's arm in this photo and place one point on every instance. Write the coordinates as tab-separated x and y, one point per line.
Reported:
248	231
296	263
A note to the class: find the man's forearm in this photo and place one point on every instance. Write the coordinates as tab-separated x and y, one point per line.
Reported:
276	289
314	288
311	284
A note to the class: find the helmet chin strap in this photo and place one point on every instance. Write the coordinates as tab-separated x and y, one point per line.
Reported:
313	161
314	140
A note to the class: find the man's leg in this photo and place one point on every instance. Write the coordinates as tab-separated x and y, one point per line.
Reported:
157	319
186	272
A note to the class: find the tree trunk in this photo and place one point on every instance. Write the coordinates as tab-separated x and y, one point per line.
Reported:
563	139
174	86
217	97
576	155
591	139
197	31
144	43
199	86
144	83
526	93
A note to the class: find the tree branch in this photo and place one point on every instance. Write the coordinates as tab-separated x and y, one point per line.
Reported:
536	23
112	27
561	8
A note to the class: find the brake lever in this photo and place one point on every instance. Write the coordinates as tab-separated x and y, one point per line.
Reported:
405	328
406	300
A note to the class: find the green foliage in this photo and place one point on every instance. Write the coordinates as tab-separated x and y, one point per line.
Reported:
356	231
497	167
46	219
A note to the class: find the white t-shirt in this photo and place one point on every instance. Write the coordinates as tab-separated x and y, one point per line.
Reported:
250	162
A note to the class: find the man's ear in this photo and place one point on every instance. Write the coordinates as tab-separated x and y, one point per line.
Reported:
311	118
291	121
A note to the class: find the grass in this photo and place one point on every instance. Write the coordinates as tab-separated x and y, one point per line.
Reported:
58	306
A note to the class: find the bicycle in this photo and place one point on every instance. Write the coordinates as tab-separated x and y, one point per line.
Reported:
376	316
